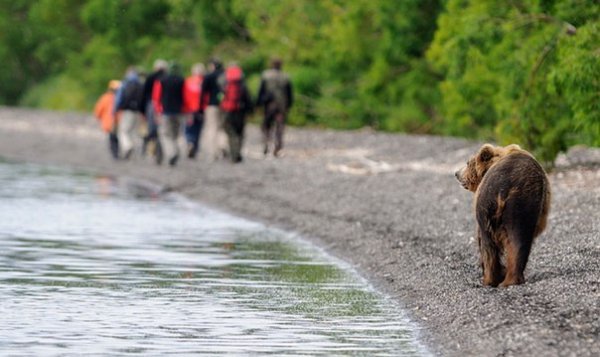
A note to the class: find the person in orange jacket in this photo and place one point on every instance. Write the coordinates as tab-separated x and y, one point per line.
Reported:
103	110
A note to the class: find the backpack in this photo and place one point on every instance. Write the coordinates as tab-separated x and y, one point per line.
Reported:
276	84
132	96
233	90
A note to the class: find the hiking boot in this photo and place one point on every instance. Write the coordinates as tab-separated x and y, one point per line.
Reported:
173	160
127	154
191	151
225	153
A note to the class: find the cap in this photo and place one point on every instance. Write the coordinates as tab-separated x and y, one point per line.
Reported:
114	84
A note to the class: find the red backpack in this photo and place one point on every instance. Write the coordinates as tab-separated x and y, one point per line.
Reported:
232	92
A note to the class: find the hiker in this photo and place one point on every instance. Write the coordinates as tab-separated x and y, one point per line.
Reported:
151	142
103	110
127	103
191	105
275	93
168	102
236	104
213	137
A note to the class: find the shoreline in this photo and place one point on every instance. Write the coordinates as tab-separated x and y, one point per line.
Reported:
387	204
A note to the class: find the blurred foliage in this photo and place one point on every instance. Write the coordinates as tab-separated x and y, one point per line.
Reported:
71	95
505	71
525	72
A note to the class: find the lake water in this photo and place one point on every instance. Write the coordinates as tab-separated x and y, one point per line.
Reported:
95	265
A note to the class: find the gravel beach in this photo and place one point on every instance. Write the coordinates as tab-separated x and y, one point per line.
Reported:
389	205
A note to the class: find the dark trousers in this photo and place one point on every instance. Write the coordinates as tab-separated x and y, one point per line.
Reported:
152	133
193	129
234	127
113	144
151	137
274	121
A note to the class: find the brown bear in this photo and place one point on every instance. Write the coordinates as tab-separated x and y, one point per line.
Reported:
512	202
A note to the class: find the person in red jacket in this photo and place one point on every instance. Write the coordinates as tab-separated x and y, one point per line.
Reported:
235	105
103	110
192	90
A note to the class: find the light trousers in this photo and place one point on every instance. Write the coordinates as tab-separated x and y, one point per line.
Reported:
214	140
168	132
127	123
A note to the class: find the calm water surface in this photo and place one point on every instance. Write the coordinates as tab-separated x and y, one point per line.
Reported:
94	265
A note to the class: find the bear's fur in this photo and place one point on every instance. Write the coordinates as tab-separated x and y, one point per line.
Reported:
512	202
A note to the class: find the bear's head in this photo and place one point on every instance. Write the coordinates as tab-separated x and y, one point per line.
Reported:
471	175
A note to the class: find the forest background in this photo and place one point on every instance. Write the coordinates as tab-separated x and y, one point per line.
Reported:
525	72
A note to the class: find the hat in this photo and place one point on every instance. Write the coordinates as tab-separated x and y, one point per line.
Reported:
114	84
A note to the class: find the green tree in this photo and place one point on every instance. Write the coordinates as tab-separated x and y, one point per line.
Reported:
507	72
354	62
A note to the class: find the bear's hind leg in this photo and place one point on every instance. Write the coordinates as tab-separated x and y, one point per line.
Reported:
493	271
517	248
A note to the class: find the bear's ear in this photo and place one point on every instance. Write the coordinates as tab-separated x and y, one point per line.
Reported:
486	153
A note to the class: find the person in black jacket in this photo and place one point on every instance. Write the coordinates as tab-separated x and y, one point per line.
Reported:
151	137
171	108
213	139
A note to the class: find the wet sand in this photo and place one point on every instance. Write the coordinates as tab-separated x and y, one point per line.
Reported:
389	205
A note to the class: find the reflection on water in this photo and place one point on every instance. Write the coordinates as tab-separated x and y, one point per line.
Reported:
100	266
